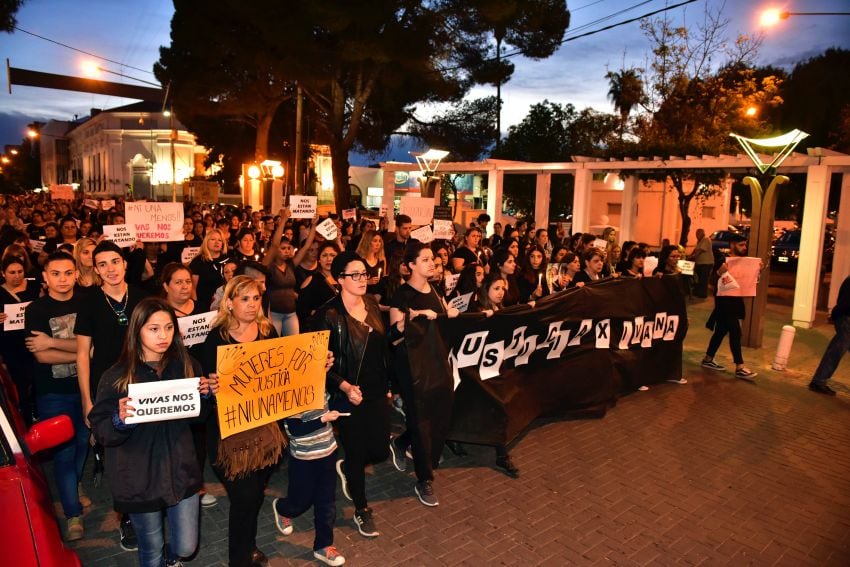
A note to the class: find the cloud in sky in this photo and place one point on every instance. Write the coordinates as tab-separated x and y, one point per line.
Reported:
131	33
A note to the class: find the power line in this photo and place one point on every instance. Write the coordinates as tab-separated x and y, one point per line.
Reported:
83	51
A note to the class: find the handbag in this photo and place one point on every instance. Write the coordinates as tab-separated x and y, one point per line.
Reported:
251	450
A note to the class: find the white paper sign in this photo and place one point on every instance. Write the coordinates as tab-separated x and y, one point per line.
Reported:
349	214
649	264
383	211
164	400
121	234
423	234
745	271
461	302
90	203
302	206
419	209
327	228
444	229
37	246
687	267
108	204
188	254
601	244
451	282
727	284
195	328
14	316
156	222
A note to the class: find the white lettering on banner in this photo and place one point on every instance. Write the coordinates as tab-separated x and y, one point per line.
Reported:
328	229
188	254
419	209
302	206
195	328
164	400
156	222
121	234
639	332
14	316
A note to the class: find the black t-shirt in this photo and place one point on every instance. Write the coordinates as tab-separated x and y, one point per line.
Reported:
468	256
98	319
210	278
12	347
407	298
373	377
57	320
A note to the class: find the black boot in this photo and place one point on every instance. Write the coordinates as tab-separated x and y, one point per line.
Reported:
456	448
505	463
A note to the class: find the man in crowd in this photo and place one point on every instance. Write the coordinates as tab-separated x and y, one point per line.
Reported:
400	237
703	257
839	344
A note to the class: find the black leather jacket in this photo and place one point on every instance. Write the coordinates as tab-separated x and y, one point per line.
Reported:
348	339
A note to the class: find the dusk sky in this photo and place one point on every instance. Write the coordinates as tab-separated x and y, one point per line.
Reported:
131	33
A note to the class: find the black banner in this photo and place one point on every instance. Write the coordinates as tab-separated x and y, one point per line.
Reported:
576	350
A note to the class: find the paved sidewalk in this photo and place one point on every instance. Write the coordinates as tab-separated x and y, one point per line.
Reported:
715	472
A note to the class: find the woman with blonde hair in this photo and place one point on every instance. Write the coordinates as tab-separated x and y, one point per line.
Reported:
244	461
207	267
86	276
371	249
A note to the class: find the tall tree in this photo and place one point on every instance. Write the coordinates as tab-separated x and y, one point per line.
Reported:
465	130
625	91
534	28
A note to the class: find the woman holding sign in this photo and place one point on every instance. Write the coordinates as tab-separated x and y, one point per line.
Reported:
244	461
16	290
152	466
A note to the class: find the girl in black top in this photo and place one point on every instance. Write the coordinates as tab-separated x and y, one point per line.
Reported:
319	287
281	282
245	249
633	267
151	465
593	264
418	298
504	263
359	380
207	267
532	280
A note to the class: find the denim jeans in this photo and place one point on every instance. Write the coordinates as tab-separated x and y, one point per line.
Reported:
182	521
69	457
836	348
286	324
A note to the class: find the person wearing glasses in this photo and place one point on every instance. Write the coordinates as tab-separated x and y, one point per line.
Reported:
359	379
100	329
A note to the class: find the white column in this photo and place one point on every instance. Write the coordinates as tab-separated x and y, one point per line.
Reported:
542	196
581	200
495	183
811	245
840	264
387	198
628	210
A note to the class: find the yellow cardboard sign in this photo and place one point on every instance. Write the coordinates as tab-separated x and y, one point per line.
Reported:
264	381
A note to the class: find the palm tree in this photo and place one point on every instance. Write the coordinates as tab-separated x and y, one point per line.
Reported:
626	92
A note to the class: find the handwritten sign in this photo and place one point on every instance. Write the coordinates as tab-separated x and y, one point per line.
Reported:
121	234
649	265
451	282
37	245
327	228
461	302
108	204
90	203
745	271
442	213
419	209
195	328
601	244
65	192
14	316
188	254
264	381
423	234
686	266
302	206
156	222
444	229
164	400
202	191
349	214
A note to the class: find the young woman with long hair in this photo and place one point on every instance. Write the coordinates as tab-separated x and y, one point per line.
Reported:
207	267
505	263
152	469
281	281
371	249
319	287
241	320
634	263
532	278
86	276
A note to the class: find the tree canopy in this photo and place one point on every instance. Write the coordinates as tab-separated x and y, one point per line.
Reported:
8	9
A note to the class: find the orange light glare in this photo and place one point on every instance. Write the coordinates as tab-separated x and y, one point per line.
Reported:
770	17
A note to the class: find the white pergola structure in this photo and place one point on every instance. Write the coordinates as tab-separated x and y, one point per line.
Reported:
818	165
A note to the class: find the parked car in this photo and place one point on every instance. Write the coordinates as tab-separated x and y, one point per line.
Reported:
30	534
786	251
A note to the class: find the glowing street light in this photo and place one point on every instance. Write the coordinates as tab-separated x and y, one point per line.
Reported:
253	172
32	133
773	16
4	159
13	151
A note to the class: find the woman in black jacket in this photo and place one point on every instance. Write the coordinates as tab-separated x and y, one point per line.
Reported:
152	466
359	379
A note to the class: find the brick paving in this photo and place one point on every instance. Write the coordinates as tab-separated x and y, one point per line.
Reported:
715	472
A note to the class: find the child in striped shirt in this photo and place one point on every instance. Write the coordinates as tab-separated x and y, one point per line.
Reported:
312	479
